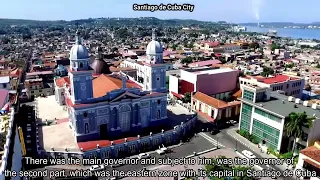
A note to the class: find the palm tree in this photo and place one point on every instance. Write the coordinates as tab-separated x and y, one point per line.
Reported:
294	123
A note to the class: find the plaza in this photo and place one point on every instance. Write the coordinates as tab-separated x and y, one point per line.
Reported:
48	109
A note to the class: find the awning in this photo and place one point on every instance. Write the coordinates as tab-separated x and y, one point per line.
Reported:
177	95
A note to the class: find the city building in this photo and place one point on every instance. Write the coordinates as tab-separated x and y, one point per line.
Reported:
108	105
39	84
204	63
11	158
4	97
141	67
290	86
215	109
5	82
309	159
196	80
263	114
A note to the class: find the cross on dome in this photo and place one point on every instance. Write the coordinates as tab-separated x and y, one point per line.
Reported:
154	34
78	40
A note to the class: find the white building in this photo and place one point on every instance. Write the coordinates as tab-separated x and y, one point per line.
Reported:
5	82
263	114
309	159
15	157
290	86
154	55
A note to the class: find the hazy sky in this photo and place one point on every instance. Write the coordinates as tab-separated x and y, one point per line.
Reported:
212	10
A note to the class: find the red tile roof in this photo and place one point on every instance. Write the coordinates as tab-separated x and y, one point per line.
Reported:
177	95
278	79
213	102
312	152
237	94
89	145
15	73
214	44
61	81
104	83
209	100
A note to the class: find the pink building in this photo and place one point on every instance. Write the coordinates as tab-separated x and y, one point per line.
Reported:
216	82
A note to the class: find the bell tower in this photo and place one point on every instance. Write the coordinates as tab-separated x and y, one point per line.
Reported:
80	76
155	75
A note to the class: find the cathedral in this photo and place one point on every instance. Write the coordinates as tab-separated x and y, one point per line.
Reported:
102	104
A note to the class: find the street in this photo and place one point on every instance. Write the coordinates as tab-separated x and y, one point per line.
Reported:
200	142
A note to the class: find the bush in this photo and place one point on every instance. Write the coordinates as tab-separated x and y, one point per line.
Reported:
248	136
255	140
287	155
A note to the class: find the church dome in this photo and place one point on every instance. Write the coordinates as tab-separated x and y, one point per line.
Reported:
154	47
78	51
99	66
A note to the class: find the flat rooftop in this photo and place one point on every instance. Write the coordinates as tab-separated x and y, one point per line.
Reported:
49	109
209	70
276	105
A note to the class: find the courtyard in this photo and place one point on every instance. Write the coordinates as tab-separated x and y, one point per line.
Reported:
59	136
48	109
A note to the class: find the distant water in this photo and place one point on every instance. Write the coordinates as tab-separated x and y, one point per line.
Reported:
287	32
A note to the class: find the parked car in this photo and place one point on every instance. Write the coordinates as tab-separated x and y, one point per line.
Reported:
97	167
143	155
248	154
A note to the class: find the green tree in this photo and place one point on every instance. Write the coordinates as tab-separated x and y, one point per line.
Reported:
187	60
274	46
291	65
294	124
174	46
267	71
187	98
318	66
